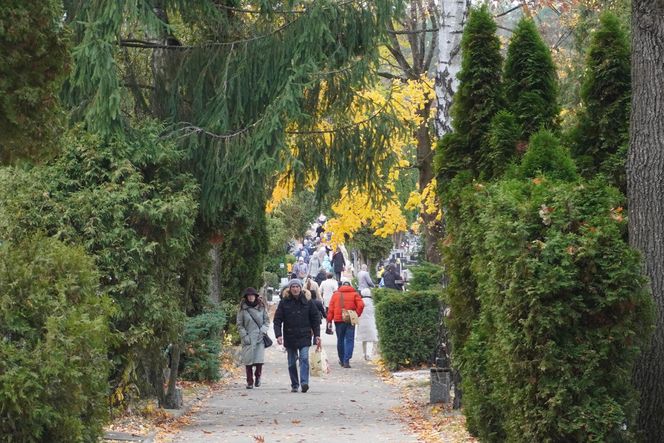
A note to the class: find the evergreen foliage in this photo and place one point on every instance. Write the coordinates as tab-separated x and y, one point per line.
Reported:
426	276
34	59
545	156
478	98
564	311
599	141
503	143
202	344
233	86
242	253
407	322
530	81
55	336
127	204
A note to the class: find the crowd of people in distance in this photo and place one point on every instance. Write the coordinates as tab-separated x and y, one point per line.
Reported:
317	289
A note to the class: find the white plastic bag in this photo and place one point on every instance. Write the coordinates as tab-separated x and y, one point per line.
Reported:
318	364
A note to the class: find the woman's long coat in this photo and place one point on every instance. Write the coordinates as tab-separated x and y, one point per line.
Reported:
367	331
251	335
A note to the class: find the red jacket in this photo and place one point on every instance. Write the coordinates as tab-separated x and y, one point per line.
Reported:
352	300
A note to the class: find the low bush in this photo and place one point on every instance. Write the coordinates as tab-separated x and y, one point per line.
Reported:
203	335
425	276
54	338
407	324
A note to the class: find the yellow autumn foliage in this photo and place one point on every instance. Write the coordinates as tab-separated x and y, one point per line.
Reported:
355	208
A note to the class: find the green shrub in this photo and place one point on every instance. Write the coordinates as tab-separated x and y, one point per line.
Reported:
564	311
546	157
203	335
127	203
53	346
425	276
271	279
530	80
601	136
407	325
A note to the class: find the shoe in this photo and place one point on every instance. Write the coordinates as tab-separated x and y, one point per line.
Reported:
250	386
258	382
347	365
294	389
305	387
366	357
341	363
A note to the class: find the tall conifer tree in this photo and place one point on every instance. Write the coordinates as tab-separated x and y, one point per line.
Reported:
530	81
599	142
477	100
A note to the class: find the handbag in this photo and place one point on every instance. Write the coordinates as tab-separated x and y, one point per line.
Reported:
348	315
267	341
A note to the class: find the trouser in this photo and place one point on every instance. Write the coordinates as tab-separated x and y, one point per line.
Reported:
337	275
301	355
368	347
256	374
345	340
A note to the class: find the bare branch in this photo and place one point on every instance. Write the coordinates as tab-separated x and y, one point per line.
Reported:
519	6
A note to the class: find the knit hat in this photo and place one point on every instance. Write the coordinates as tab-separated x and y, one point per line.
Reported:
295	282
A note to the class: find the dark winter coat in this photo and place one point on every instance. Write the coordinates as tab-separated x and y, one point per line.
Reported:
338	261
390	279
300	320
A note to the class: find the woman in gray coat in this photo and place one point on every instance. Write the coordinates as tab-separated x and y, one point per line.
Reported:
252	323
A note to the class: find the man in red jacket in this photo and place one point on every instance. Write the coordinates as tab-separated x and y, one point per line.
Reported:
345	331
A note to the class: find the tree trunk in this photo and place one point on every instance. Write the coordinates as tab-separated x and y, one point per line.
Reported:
162	64
215	276
430	234
645	191
453	17
173	398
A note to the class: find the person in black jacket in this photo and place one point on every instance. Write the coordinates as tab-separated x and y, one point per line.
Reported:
300	320
338	263
391	279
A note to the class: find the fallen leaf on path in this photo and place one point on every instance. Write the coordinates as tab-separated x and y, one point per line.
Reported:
295	422
259	438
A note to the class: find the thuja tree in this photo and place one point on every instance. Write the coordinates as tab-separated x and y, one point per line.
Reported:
564	308
530	81
34	54
462	156
476	101
599	142
126	202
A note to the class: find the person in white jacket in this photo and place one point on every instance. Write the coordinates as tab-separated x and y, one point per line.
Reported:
366	331
327	288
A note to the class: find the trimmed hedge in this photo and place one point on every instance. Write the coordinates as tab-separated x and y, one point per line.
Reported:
425	276
408	325
202	345
54	338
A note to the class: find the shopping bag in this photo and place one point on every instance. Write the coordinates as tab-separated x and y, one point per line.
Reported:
315	362
325	365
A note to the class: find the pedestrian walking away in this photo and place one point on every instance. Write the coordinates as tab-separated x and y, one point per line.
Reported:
253	323
366	331
346	297
364	279
327	288
296	323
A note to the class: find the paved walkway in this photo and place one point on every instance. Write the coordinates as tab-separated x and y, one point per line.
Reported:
347	405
